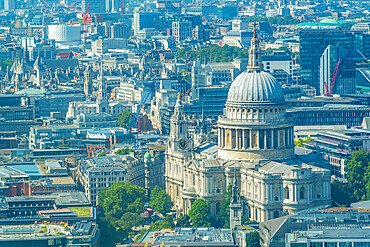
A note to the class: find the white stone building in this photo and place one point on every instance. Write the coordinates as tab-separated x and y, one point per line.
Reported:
256	143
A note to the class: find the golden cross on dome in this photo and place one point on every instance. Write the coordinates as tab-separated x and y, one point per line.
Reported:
254	30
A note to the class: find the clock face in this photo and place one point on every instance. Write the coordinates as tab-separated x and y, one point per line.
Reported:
182	143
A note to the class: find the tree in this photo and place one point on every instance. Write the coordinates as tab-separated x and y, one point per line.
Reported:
224	214
346	26
108	233
160	200
121	205
129	220
124	151
62	146
120	198
140	235
124	118
183	221
6	63
102	154
300	141
213	53
341	194
358	173
252	239
199	213
166	223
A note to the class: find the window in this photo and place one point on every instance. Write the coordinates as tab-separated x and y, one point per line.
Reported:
276	214
301	193
286	192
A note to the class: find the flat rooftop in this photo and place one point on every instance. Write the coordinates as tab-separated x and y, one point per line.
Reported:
16	232
189	237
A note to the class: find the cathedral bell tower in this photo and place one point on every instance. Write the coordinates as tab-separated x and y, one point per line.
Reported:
235	207
179	137
102	100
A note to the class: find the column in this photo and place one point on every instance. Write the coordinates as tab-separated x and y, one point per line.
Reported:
272	139
219	137
265	139
225	137
243	141
250	138
236	139
292	137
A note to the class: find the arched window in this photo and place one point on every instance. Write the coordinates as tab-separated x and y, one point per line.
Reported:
301	193
276	214
318	196
286	192
276	198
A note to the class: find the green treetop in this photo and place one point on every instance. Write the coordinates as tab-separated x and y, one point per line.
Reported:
199	213
160	200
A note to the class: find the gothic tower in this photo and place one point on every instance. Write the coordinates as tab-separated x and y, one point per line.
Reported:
102	100
235	207
88	89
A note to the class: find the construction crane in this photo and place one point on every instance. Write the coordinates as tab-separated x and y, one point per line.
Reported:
43	24
85	16
141	105
122	4
328	92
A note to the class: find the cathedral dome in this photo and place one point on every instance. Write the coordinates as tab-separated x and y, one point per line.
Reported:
255	86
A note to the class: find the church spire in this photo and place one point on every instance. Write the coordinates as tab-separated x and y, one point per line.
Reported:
235	206
255	63
235	198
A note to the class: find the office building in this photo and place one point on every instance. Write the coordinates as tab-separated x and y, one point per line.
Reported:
45	105
280	65
337	146
9	4
239	39
207	102
121	31
96	6
144	20
319	227
98	173
314	42
201	34
341	63
226	11
181	30
330	114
